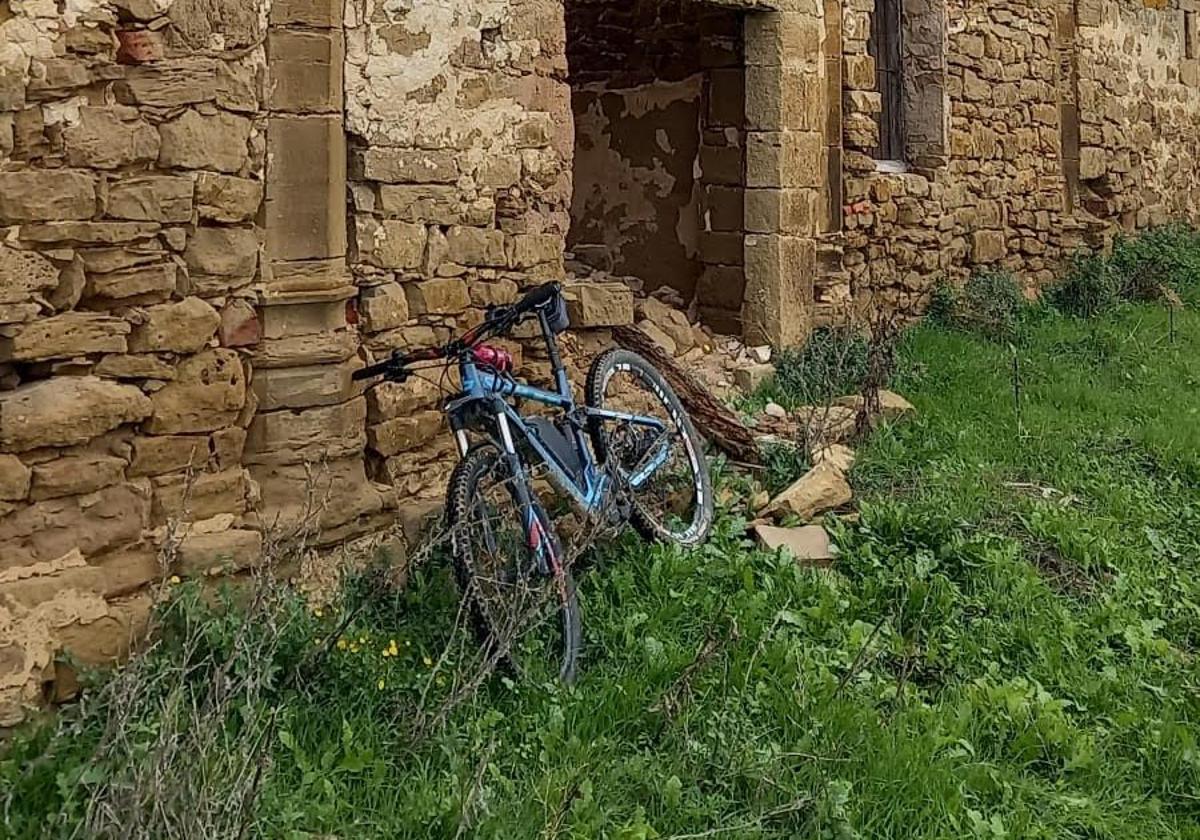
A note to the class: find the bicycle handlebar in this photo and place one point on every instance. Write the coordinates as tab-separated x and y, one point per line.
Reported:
499	320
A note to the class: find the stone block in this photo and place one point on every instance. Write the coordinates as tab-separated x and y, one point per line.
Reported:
389	400
306	70
779	289
168	84
62	337
784	98
155	455
230	253
821	489
321	14
109	137
198	496
433	204
74	475
293	319
134	366
785	159
781	38
403	434
183	327
722	286
858	72
15	478
208	393
155	198
39	195
794	211
89	233
240	325
227	199
383	307
221	552
306	188
205	141
407	166
24	274
315	349
526	250
305	387
389	243
92	524
987	246
156	281
593	304
308	435
443	296
327	500
475	246
1093	163
66	411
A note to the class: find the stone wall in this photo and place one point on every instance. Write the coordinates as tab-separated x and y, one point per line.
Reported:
131	160
658	100
1049	126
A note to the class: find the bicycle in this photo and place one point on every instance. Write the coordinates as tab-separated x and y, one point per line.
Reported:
624	475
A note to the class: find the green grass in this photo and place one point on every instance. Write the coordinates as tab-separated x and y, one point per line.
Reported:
1006	647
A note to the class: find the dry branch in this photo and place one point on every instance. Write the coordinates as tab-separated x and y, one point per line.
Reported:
712	418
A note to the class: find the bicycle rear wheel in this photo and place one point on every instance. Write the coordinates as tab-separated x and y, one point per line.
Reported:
675	502
509	565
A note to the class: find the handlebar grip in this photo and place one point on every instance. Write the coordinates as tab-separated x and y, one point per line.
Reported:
537	297
371	371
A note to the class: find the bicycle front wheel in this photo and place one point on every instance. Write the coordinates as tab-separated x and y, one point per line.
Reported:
663	466
519	588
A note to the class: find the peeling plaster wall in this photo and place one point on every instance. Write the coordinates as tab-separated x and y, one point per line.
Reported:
657	94
636	192
460	146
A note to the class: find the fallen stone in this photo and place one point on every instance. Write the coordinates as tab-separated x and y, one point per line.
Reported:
183	327
63	336
749	379
672	322
761	354
775	410
892	405
821	489
809	544
835	454
208	393
827	424
66	410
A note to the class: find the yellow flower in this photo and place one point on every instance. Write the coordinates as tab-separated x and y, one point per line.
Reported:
427	661
174	578
341	644
380	684
440	681
354	647
318	612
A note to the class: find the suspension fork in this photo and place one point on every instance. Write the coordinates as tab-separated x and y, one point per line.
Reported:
538	540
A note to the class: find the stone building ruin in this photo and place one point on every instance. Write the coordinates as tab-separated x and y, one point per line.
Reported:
213	211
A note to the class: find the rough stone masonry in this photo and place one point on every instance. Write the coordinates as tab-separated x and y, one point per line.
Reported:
213	211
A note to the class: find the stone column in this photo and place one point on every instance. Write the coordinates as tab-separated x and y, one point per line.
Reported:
305	445
785	169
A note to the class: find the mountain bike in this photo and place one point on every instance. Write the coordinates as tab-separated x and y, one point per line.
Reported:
629	453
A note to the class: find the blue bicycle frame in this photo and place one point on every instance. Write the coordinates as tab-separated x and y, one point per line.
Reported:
485	394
